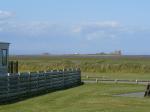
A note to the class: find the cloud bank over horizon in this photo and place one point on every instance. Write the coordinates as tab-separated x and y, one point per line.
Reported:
6	15
35	37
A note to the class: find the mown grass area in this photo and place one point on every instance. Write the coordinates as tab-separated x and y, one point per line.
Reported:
87	63
85	98
127	76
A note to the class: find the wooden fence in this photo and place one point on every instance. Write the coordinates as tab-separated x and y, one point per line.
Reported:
18	86
93	79
147	92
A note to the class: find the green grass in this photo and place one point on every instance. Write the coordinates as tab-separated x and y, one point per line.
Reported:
93	64
86	98
128	76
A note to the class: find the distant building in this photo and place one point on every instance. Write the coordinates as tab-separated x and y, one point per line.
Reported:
117	52
76	53
46	54
4	48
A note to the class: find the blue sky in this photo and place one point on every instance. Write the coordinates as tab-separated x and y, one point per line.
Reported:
75	26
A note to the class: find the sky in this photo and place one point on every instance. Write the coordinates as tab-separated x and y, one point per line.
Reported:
75	26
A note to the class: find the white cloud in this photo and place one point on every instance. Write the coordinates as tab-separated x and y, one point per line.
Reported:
4	19
5	15
35	29
1	29
94	35
32	28
95	30
95	26
91	31
112	24
77	29
88	31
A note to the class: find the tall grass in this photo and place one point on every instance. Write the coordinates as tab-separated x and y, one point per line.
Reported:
113	68
87	64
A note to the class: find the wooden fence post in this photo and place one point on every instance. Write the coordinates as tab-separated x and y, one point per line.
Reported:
29	80
147	92
136	81
11	66
96	80
116	81
8	87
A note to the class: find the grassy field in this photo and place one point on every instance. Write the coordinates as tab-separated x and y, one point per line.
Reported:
86	98
112	67
87	63
127	76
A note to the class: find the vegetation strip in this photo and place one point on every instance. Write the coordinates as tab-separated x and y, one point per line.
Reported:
87	63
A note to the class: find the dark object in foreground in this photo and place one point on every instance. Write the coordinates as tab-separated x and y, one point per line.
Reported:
15	87
13	67
147	92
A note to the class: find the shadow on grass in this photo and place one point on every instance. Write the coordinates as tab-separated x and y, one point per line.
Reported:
33	95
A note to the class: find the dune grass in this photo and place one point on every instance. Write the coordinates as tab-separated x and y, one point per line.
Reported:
85	98
112	67
93	64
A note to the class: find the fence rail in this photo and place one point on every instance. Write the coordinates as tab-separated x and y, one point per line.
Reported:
106	80
16	86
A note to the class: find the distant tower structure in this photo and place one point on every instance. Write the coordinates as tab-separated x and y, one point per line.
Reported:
119	52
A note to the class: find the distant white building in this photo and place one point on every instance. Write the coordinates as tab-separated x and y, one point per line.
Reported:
117	52
4	48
